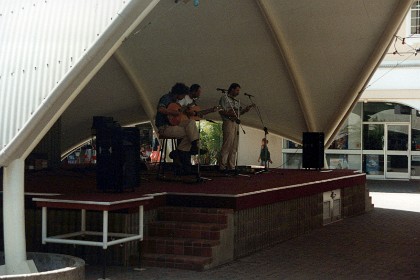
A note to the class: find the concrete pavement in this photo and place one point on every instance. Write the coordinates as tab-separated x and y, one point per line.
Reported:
381	244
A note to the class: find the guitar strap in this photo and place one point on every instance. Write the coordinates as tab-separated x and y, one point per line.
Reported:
232	102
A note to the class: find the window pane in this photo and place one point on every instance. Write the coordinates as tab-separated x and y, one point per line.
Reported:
397	137
373	136
373	164
386	112
293	161
415	165
287	144
415	131
354	162
344	161
349	135
397	163
415	23
337	161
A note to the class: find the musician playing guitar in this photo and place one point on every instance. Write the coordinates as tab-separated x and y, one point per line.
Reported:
188	107
230	113
194	113
186	130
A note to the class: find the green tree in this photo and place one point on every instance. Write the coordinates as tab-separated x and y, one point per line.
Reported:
211	139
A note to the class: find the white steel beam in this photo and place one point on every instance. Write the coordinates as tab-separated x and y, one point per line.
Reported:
301	89
14	220
347	106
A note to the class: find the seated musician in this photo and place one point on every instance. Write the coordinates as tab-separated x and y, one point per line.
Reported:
186	130
191	108
190	100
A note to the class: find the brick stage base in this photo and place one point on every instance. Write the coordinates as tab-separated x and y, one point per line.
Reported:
263	208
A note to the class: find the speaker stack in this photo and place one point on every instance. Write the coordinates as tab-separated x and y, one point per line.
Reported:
313	150
117	155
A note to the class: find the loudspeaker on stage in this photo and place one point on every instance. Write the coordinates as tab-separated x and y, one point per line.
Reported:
313	150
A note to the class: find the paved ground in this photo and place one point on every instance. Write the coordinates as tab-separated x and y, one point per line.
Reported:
381	244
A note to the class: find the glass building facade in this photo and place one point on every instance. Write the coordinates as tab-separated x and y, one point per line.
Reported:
381	139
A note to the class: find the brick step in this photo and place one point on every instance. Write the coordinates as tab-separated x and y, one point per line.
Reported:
186	229
179	246
369	206
200	215
176	261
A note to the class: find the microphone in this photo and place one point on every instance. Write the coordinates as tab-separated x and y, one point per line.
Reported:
249	95
221	89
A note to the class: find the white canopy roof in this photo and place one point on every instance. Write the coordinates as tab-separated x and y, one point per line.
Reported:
305	61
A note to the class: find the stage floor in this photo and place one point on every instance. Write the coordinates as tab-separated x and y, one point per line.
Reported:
237	192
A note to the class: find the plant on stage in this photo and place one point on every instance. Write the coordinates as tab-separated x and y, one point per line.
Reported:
211	139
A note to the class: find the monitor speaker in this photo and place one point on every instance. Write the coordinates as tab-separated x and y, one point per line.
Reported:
313	150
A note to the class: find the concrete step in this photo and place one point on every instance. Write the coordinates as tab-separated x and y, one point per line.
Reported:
176	261
369	206
200	215
189	238
178	229
180	246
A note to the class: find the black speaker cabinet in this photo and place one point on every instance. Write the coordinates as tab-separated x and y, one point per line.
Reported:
313	150
131	156
118	156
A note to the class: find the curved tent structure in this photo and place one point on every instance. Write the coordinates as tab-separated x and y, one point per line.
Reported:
306	62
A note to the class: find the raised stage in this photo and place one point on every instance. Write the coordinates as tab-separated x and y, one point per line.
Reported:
224	191
254	211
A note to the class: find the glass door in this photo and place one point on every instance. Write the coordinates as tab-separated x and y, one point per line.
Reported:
397	164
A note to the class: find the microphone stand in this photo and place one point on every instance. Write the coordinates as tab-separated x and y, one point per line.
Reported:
265	135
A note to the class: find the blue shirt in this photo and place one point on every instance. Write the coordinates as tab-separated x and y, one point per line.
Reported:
164	101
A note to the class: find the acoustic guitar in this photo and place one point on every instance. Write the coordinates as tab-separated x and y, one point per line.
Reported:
188	112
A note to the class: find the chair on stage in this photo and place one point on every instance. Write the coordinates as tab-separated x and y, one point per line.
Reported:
164	153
